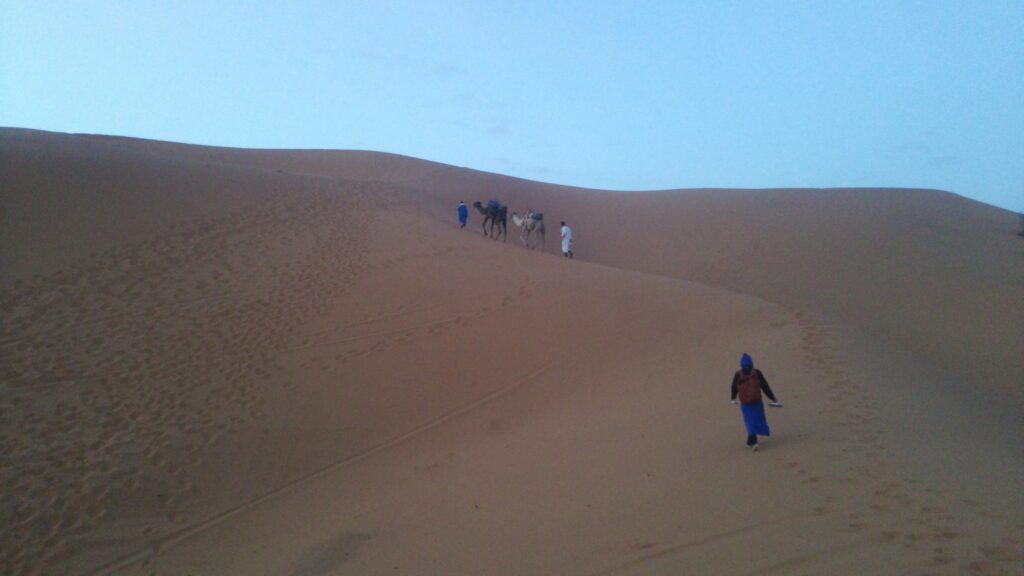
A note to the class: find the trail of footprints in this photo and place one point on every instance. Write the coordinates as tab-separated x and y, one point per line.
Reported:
884	500
119	372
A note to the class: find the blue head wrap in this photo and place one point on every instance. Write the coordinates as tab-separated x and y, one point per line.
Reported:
746	362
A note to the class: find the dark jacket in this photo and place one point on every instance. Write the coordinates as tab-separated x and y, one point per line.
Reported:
749	385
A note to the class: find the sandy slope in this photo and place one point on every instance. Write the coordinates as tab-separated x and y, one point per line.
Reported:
273	362
930	272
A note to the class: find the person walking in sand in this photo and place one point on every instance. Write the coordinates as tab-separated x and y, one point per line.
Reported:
566	240
747	384
463	214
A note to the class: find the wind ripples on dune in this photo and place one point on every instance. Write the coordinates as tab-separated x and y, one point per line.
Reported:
121	371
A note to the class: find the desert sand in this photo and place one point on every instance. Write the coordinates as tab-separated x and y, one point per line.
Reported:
220	361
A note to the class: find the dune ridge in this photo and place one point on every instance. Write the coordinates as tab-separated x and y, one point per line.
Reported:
221	361
801	243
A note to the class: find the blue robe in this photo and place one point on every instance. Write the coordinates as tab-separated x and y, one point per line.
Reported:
753	417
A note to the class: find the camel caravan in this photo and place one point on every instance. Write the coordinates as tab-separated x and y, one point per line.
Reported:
496	215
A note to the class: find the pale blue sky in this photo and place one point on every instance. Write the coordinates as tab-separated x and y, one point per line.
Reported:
619	95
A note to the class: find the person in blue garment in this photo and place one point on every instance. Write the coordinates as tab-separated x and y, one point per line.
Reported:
748	384
463	214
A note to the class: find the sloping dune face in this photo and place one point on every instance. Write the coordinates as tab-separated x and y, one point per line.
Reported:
927	271
220	361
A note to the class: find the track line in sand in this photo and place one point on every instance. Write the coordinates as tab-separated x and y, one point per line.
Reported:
523	290
821	558
684	546
175	538
52	383
377	334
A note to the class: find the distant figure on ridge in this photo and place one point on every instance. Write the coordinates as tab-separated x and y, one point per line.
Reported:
496	214
463	214
748	383
533	222
566	240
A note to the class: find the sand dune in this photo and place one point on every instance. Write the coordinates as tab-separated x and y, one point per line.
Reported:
222	361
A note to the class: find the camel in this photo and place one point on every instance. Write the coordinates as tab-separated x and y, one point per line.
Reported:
496	215
530	224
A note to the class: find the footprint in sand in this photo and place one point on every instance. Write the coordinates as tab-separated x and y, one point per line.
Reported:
1001	553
